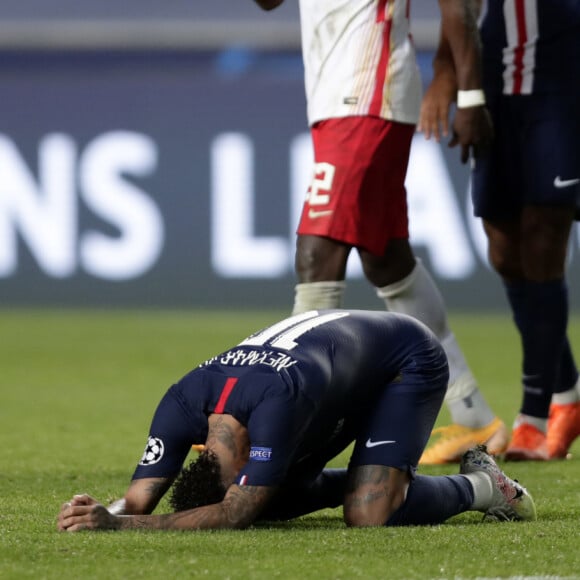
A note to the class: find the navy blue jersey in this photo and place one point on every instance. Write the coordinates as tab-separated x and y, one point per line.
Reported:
302	388
531	46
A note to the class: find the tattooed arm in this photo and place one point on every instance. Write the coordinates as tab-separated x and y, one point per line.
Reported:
241	505
142	497
239	508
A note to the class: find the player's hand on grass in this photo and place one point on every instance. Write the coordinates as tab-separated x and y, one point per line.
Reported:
83	512
83	499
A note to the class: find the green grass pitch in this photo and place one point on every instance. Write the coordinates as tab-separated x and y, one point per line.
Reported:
77	390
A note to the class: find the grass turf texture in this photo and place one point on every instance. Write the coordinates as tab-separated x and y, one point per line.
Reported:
77	393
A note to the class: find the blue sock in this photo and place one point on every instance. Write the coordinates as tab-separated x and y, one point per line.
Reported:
568	375
433	499
540	311
292	501
568	372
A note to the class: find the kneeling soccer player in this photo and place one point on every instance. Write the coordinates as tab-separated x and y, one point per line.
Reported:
272	412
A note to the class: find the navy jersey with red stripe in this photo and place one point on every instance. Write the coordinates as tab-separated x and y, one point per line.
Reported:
531	46
300	387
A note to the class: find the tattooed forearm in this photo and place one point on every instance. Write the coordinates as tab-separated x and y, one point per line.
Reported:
198	519
243	504
239	509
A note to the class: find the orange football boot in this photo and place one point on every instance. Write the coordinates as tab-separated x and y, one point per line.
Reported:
563	428
528	444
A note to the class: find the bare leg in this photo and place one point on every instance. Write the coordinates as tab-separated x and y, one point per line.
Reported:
321	268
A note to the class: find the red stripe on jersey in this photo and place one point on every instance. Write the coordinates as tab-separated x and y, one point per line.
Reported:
377	100
230	383
519	51
381	10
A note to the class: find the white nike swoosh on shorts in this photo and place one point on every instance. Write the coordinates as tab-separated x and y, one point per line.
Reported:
560	183
370	443
313	214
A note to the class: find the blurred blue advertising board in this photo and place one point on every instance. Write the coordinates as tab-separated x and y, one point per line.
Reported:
175	179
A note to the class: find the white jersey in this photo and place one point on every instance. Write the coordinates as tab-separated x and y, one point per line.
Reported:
359	60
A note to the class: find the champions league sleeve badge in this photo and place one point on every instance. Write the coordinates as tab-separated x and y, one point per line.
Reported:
153	451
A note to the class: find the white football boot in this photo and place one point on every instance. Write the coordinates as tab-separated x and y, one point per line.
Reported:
510	500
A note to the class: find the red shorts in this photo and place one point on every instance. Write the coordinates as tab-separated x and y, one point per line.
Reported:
357	194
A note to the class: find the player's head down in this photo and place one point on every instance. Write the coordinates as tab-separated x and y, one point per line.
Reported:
200	483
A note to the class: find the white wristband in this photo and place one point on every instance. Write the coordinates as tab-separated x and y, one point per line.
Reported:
466	99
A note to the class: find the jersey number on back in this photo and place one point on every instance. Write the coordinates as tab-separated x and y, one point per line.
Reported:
284	334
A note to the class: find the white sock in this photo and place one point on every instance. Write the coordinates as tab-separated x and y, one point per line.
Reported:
566	397
482	490
418	296
318	296
538	422
470	411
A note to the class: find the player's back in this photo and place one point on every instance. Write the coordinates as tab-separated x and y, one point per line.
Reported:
316	367
337	353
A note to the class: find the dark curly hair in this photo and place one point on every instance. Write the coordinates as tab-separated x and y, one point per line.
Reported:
198	484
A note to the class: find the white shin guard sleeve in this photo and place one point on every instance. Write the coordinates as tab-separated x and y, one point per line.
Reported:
318	296
418	296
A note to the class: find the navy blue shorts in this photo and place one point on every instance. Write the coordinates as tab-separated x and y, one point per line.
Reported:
398	426
535	158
